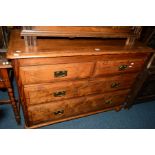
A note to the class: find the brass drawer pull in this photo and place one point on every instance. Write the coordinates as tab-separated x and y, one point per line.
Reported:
115	85
108	102
123	67
59	112
59	93
60	74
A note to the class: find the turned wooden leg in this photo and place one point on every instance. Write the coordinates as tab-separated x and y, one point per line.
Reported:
8	86
14	105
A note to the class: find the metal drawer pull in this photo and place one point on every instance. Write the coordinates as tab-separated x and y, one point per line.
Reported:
123	67
60	74
59	93
108	102
59	112
115	85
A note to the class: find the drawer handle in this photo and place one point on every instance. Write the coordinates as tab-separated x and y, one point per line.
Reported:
123	67
115	85
59	93
108	102
59	112
60	74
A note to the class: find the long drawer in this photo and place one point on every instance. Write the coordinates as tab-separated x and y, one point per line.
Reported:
68	108
50	73
43	93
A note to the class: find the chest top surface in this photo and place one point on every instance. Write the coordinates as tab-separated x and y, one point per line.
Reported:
56	47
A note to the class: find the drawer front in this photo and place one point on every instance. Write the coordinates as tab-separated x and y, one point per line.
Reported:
43	93
68	108
55	110
107	100
117	67
50	73
109	84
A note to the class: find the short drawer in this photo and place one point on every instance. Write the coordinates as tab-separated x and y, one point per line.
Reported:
118	66
50	73
43	93
69	108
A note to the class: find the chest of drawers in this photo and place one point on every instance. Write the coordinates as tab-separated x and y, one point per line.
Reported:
63	79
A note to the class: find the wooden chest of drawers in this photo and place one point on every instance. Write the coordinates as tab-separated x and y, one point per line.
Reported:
62	79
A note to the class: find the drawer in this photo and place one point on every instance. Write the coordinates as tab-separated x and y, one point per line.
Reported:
50	73
97	102
55	110
107	84
43	93
69	108
118	66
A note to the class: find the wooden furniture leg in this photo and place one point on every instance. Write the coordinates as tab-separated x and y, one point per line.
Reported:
12	100
14	105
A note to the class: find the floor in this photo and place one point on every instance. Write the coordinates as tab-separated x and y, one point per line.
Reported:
140	116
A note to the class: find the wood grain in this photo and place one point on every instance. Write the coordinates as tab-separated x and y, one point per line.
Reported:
98	74
6	83
2	85
73	107
46	73
79	59
45	92
69	47
78	31
113	67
